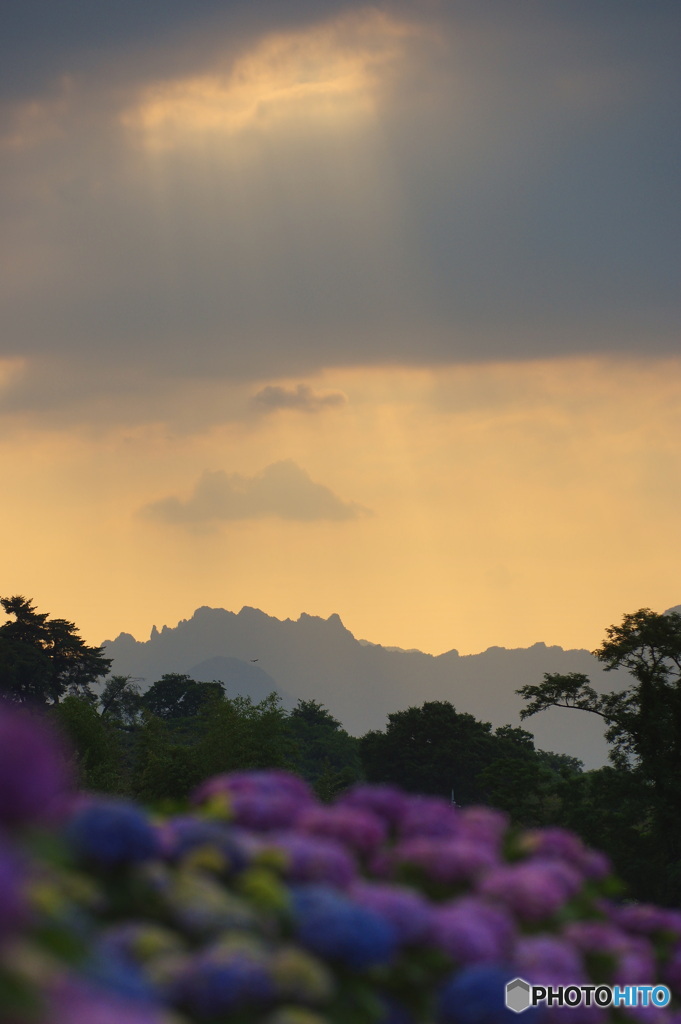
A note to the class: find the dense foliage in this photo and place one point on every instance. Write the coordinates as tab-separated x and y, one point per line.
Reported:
259	904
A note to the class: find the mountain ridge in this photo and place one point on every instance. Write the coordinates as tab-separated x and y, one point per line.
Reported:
361	682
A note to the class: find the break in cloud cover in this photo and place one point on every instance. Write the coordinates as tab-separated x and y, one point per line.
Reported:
424	252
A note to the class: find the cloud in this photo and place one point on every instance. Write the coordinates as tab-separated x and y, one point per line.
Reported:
236	192
282	490
303	398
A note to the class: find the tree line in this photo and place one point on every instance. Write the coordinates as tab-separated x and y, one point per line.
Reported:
158	744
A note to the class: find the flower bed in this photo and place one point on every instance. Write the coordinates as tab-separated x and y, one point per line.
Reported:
260	905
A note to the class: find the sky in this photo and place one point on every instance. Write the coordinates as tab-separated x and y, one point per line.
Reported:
342	307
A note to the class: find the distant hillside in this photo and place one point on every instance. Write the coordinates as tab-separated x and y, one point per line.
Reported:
254	653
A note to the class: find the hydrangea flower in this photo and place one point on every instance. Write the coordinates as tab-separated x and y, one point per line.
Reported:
471	931
334	927
548	959
476	995
13	904
533	890
73	1001
632	955
446	860
212	984
207	842
410	913
201	906
385	801
357	828
113	832
301	977
428	816
259	800
34	777
313	859
140	941
482	825
266	918
645	919
118	976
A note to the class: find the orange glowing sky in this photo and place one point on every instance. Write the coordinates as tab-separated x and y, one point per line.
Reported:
371	311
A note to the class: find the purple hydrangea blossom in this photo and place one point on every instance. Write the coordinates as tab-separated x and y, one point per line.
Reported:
387	802
482	825
428	816
259	800
446	860
213	984
548	959
636	964
74	1001
646	919
533	890
359	829
34	774
410	913
13	905
596	865
314	859
471	930
334	927
596	936
633	958
559	844
549	843
185	834
113	832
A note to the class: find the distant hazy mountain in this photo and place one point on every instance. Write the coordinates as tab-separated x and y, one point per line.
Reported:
360	682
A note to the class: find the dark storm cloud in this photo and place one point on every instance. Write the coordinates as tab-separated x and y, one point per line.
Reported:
302	398
283	490
42	40
516	196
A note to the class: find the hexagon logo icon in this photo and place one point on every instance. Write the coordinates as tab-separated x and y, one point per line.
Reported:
518	995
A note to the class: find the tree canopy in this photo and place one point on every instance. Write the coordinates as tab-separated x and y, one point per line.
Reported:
176	696
643	721
42	659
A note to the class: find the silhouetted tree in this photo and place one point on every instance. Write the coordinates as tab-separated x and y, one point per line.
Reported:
326	755
176	696
121	701
642	723
42	659
431	749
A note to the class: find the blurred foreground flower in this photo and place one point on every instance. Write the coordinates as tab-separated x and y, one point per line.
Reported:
264	906
34	773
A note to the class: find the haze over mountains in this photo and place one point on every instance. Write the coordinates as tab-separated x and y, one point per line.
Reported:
360	682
